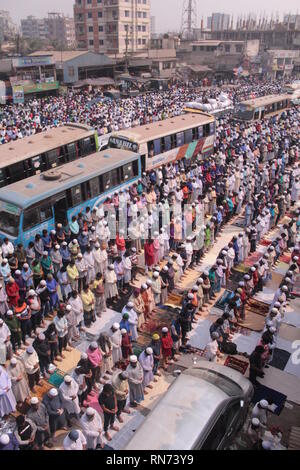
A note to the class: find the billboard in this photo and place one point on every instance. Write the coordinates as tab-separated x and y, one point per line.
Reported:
38	87
18	94
34	61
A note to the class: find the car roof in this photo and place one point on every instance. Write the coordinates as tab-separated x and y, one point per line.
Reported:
178	419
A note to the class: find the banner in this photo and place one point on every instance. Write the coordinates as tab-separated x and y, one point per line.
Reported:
18	94
38	87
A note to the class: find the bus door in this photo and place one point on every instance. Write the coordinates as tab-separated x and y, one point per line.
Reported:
60	209
143	163
262	114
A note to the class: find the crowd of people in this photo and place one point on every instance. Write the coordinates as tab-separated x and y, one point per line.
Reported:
55	288
92	108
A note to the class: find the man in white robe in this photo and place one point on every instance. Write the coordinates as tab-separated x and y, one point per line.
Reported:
17	373
68	391
7	399
147	362
116	343
132	320
92	428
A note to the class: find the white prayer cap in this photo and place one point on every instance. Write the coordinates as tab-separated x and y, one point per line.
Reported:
149	351
34	400
68	308
90	411
200	280
51	368
247	277
255	422
277	305
41	336
133	359
25	265
9	313
57	247
215	335
4	439
75	242
295	258
30	350
31	292
18	272
288	280
5	260
272	329
94	345
264	403
83	355
45	253
191	296
130	304
165	268
13	361
266	445
156	274
65	243
79	255
156	234
116	326
121	232
144	286
43	282
206	273
284	288
53	392
133	250
123	331
274	310
165	329
68	379
269	323
195	288
149	282
241	283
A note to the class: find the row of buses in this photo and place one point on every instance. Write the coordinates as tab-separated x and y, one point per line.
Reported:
49	177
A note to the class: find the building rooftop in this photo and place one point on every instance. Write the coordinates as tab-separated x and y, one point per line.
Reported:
60	56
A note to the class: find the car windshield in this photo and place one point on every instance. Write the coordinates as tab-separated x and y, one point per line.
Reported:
9	223
225	384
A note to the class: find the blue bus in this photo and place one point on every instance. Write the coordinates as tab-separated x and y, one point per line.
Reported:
55	196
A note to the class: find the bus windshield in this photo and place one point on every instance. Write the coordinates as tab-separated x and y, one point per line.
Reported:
9	223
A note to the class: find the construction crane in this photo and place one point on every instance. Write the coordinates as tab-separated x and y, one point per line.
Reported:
189	19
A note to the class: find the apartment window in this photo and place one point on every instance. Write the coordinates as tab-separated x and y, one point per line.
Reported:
139	42
90	15
91	29
127	13
144	41
144	29
91	42
101	42
227	48
238	48
100	29
100	14
145	2
144	14
89	2
78	2
71	71
99	1
139	14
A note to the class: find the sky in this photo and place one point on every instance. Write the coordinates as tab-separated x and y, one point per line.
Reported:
167	12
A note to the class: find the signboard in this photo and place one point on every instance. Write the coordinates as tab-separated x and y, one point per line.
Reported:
10	208
33	61
18	94
38	87
119	143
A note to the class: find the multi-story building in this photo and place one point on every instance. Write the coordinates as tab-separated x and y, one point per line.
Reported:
7	28
218	21
278	63
34	28
55	28
112	26
152	25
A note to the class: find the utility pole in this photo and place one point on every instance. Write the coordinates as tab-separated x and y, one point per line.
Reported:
189	19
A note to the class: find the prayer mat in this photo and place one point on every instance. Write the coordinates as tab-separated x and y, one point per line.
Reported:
161	317
41	391
236	364
289	333
70	361
221	302
261	392
57	378
265	242
174	299
120	304
233	281
92	401
296	288
243	331
253	321
280	358
241	268
253	258
285	259
259	307
189	280
239	222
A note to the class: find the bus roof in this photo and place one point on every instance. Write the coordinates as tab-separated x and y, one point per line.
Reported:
36	188
19	150
264	100
156	130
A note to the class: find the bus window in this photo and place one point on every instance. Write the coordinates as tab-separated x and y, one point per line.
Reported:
72	152
157	147
195	133
127	172
31	218
206	130
17	172
36	164
51	157
9	223
200	132
3	178
212	128
256	115
150	149
94	187
45	211
179	139
135	167
188	136
61	156
86	147
76	195
110	180
167	143
173	141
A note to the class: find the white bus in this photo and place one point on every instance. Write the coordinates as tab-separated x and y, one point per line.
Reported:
158	143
